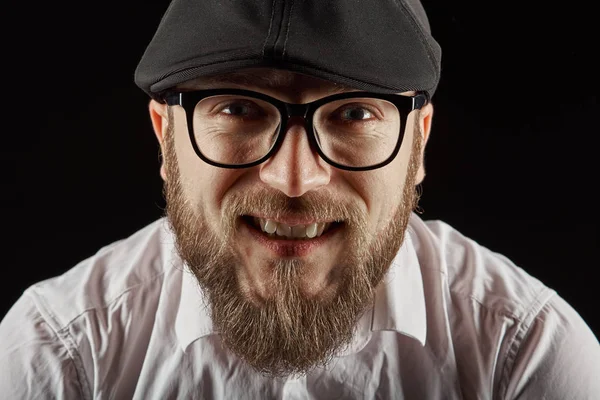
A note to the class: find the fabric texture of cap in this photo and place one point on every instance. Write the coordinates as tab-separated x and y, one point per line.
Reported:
375	45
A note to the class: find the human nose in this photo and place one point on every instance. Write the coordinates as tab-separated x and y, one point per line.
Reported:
295	168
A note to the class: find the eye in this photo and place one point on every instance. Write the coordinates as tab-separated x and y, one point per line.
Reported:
354	113
242	109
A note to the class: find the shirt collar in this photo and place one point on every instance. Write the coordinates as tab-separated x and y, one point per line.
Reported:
400	298
399	305
193	318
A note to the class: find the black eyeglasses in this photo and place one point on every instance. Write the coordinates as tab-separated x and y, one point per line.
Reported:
354	131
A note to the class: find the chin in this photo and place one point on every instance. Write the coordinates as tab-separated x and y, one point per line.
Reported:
306	279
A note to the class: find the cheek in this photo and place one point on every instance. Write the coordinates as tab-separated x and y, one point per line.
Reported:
381	192
198	180
388	200
382	189
204	186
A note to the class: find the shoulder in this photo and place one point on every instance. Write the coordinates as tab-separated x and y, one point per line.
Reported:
504	323
49	337
134	264
558	357
474	273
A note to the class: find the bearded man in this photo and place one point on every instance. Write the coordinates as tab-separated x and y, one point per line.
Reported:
290	262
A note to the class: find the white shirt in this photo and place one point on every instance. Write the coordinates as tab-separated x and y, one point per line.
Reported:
452	320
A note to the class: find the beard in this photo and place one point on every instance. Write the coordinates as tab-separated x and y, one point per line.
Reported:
290	331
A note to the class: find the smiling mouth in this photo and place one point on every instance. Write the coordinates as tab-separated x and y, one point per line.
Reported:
282	231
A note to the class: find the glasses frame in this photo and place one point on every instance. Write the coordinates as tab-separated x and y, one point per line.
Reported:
189	99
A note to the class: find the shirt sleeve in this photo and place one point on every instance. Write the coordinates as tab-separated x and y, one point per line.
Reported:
558	357
35	363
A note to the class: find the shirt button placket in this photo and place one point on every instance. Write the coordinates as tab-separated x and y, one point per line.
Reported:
295	389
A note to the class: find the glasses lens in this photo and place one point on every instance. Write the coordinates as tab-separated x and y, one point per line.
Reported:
235	130
358	132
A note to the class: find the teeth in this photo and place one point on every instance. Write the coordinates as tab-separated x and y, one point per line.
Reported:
269	226
297	231
321	229
284	230
311	231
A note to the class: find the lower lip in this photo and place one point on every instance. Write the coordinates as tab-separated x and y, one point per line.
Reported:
288	247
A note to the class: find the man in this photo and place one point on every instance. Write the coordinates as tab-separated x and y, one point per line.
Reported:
290	263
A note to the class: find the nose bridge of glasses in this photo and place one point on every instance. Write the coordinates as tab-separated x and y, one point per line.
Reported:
294	167
296	110
296	114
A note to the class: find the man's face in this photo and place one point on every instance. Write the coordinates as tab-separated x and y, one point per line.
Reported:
285	305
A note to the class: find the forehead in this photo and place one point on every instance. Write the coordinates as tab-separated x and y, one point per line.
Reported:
267	78
270	79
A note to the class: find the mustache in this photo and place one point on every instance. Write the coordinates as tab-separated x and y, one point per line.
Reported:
323	205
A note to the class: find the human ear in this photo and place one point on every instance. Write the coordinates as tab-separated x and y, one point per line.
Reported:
160	123
425	118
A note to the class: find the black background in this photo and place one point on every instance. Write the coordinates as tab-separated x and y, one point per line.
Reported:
512	160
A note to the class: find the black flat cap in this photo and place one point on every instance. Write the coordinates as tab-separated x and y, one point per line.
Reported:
376	45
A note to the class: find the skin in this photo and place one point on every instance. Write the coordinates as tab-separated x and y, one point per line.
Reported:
286	314
294	171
